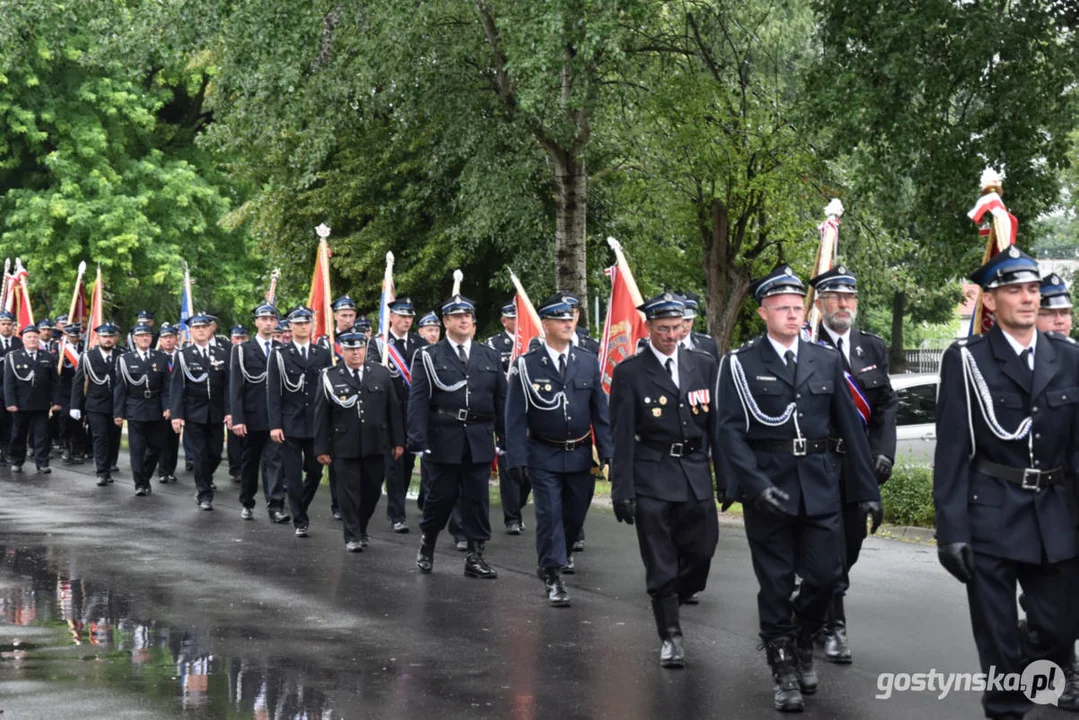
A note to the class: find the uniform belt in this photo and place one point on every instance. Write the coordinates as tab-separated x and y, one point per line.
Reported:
150	393
1026	478
797	446
567	445
464	415
677	450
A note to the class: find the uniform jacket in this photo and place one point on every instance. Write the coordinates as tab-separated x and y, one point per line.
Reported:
14	343
869	368
67	381
533	376
649	414
704	343
503	345
824	410
131	401
995	516
408	347
373	425
294	410
41	388
85	390
586	341
206	401
248	400
432	419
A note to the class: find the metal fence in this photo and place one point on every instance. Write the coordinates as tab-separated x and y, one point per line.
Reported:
923	360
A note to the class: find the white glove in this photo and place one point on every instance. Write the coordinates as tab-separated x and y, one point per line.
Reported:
75	414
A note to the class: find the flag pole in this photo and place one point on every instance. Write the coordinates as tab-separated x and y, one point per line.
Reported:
4	290
528	303
826	254
70	314
384	311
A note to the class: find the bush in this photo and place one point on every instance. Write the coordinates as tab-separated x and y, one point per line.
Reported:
908	496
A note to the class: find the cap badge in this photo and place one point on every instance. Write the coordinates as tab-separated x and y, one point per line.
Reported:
1012	252
841	270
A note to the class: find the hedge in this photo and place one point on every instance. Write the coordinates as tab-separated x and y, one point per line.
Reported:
908	496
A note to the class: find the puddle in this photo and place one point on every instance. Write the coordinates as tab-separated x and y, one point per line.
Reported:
63	635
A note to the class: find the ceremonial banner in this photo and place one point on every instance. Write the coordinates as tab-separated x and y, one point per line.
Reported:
18	297
528	322
624	325
998	230
74	316
319	300
390	354
827	252
185	306
95	318
271	294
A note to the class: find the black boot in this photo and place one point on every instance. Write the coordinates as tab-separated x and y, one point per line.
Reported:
1069	699
803	654
425	558
475	565
780	653
556	589
671	652
836	649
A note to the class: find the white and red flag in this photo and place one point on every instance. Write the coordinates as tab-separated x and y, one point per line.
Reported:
625	323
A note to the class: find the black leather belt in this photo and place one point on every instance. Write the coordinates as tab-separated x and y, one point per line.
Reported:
464	415
150	393
1026	478
677	450
567	445
795	446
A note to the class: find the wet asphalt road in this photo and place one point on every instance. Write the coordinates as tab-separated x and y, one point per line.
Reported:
122	607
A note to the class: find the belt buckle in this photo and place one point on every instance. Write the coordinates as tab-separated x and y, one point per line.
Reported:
676	450
462	414
569	445
798	448
1036	486
147	394
839	447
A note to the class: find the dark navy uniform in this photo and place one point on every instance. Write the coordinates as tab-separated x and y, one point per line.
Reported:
695	340
291	383
550	420
248	368
142	398
513	489
358	422
199	395
72	438
31	385
166	467
502	343
92	395
865	357
455	409
781	428
7	344
587	342
1003	488
398	472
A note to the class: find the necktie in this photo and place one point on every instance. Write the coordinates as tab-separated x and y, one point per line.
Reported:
842	355
462	354
267	347
670	367
33	357
562	366
789	358
303	353
1025	359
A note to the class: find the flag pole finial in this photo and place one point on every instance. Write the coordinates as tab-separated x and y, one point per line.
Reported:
323	231
458	276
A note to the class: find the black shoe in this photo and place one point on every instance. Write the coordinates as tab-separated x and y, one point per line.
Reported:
556	589
102	481
190	467
569	568
114	469
336	514
400	527
237	479
44	469
75	460
834	634
475	565
109	478
279	516
668	625
16	468
353	546
301	531
206	505
578	546
691	599
247	514
803	662
365	540
514	528
141	491
461	545
425	558
787	696
1069	699
213	487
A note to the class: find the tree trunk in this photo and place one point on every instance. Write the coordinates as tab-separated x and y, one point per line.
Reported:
897	357
726	283
570	257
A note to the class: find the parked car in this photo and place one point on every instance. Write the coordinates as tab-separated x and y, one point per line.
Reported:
916	430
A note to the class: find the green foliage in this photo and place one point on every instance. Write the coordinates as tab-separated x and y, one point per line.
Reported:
908	496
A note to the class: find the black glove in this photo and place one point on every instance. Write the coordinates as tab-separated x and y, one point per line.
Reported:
724	501
883	465
958	559
873	509
625	510
519	475
771	500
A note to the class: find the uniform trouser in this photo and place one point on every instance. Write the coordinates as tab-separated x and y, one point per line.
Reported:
21	424
854	534
677	541
467	481
106	437
561	501
302	473
261	453
359	487
335	506
398	480
146	442
54	429
514	494
207	440
455	516
169	456
70	432
235	451
1051	618
189	452
5	430
810	546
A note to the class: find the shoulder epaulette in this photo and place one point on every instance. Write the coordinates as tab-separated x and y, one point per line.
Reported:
869	334
969	341
1059	337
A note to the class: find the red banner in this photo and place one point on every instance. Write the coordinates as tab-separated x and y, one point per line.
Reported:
623	328
95	318
527	328
319	299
